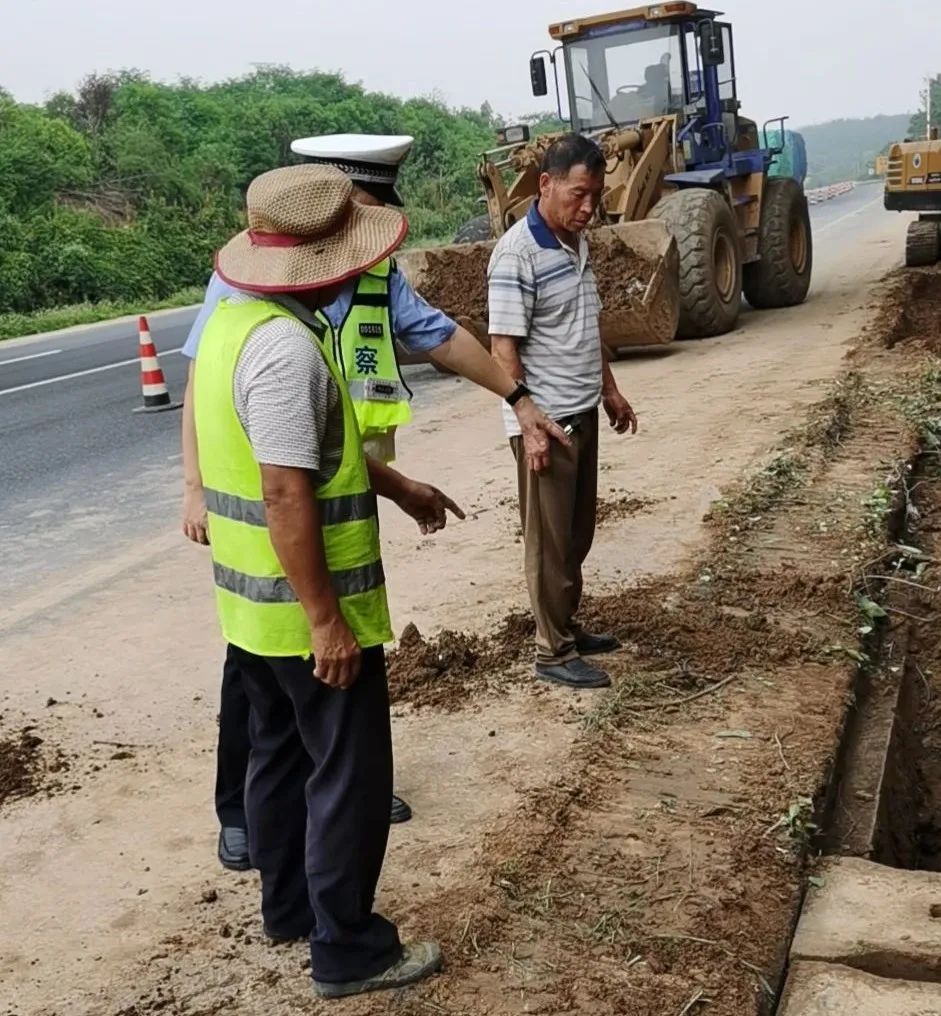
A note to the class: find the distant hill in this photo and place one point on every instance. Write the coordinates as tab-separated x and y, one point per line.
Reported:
845	149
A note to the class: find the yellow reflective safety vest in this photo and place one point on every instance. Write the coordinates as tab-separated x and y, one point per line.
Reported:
365	351
258	609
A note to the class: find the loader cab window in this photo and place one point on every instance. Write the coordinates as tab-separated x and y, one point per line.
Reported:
725	73
624	76
727	86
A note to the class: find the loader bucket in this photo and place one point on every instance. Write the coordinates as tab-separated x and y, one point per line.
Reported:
638	271
636	265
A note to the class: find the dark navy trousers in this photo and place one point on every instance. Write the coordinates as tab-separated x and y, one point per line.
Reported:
233	745
317	795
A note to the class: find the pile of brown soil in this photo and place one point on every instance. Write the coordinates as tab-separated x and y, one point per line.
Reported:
711	627
705	627
911	309
621	273
443	672
25	768
455	280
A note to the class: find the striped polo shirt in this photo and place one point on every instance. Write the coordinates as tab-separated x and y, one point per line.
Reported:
544	294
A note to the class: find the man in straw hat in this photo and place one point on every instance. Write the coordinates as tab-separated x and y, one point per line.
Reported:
299	582
369	315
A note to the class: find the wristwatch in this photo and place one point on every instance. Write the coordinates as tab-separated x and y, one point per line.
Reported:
519	392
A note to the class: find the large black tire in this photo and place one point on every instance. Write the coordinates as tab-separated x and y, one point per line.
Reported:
474	230
781	277
710	250
923	243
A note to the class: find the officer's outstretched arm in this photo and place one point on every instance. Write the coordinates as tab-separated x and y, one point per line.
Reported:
464	355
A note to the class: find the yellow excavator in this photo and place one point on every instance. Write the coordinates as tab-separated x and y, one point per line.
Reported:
690	221
913	184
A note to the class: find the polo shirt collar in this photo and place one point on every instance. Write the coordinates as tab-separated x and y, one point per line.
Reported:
542	234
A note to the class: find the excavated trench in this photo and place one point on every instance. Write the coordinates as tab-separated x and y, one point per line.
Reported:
871	808
884	802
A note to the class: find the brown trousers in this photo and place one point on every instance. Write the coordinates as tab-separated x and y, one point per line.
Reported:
557	510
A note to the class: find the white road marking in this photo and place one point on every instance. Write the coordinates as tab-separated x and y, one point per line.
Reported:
32	356
80	373
849	215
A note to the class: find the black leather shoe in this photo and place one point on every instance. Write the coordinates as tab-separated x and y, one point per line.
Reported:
595	645
233	849
574	674
401	812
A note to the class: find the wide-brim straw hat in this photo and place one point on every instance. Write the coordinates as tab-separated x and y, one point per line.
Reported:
306	232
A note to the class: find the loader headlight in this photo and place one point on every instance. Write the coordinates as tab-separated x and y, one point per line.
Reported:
668	10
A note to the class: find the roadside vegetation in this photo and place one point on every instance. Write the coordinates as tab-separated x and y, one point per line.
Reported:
113	199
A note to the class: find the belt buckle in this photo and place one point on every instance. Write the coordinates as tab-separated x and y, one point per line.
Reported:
570	424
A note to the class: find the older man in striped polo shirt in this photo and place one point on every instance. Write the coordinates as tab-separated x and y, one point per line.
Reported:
544	309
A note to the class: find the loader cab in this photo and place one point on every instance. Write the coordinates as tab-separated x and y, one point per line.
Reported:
670	59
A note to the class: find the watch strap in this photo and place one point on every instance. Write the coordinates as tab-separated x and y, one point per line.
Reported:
519	392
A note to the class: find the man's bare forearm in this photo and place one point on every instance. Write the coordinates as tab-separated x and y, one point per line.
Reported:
464	355
191	474
294	526
608	384
505	351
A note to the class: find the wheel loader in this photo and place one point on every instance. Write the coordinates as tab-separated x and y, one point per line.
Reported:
913	184
690	219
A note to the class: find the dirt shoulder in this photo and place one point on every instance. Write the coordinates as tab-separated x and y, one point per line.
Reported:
633	852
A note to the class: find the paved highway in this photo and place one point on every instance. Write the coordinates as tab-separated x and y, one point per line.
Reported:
80	471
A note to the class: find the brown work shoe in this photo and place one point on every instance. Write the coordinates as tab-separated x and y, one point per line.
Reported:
419	960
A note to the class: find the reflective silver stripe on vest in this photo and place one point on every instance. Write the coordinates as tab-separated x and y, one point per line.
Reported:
251	587
347	508
278	590
333	510
358	580
240	509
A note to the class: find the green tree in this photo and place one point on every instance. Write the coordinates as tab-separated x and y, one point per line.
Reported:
918	125
39	156
125	189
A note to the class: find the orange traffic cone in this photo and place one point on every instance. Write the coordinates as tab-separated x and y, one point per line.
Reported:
153	384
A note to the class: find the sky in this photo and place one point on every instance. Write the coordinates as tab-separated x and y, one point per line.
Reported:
814	60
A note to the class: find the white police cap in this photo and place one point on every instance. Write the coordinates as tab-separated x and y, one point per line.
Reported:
369	160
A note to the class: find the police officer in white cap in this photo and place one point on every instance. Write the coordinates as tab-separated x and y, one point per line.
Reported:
370	315
381	307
